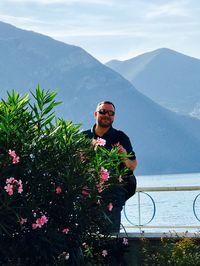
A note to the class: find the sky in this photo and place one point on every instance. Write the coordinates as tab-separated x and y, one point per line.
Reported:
111	29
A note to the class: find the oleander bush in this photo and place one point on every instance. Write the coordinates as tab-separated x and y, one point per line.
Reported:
51	181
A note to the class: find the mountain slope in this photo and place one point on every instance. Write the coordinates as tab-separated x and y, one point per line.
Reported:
164	142
168	77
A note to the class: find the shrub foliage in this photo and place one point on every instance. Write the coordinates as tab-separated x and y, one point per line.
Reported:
179	251
51	207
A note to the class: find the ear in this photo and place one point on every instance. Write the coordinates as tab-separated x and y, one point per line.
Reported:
95	114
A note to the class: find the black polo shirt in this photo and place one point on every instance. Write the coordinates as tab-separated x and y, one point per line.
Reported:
112	137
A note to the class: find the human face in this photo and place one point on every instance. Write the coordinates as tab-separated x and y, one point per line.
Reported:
104	120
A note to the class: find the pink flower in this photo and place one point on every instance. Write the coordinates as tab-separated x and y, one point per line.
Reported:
104	175
125	241
40	222
85	191
99	187
100	142
9	189
13	155
34	226
110	206
10	180
23	220
65	231
58	190
20	187
104	253
13	184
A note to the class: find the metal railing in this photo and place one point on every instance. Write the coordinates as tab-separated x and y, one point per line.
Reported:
145	191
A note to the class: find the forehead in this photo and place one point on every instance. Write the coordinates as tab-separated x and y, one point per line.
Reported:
106	106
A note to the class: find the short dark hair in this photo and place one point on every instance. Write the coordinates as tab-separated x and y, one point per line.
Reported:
105	102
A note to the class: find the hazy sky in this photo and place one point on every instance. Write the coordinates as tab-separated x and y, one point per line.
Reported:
111	29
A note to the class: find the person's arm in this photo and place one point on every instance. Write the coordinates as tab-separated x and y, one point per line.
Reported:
131	164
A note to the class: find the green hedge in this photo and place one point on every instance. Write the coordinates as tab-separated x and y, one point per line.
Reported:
173	251
51	207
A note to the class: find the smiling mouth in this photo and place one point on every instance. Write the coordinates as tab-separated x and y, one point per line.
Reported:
106	119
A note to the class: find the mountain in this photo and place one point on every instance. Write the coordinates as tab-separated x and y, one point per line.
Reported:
167	77
165	142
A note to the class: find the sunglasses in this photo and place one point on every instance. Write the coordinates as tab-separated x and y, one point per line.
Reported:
104	112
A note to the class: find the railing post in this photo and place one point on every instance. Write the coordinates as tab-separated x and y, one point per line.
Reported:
139	210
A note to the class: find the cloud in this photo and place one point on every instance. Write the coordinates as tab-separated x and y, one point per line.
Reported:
19	19
23	22
109	28
94	33
166	10
62	2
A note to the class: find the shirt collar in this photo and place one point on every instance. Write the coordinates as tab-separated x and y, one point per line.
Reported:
109	132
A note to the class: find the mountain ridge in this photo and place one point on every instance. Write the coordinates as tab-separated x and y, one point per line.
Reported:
170	78
161	139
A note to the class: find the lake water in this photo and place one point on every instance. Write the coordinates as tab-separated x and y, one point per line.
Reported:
174	208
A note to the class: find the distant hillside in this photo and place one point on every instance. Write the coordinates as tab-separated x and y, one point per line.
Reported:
164	141
167	77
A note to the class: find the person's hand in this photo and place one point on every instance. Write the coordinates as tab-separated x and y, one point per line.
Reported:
131	164
120	148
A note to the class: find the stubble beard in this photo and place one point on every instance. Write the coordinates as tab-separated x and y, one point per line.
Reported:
105	125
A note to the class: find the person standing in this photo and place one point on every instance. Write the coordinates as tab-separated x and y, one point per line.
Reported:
104	116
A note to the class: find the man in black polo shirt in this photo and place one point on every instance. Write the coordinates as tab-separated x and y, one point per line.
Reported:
104	115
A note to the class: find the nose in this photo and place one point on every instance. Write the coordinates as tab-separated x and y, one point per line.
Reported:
107	114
